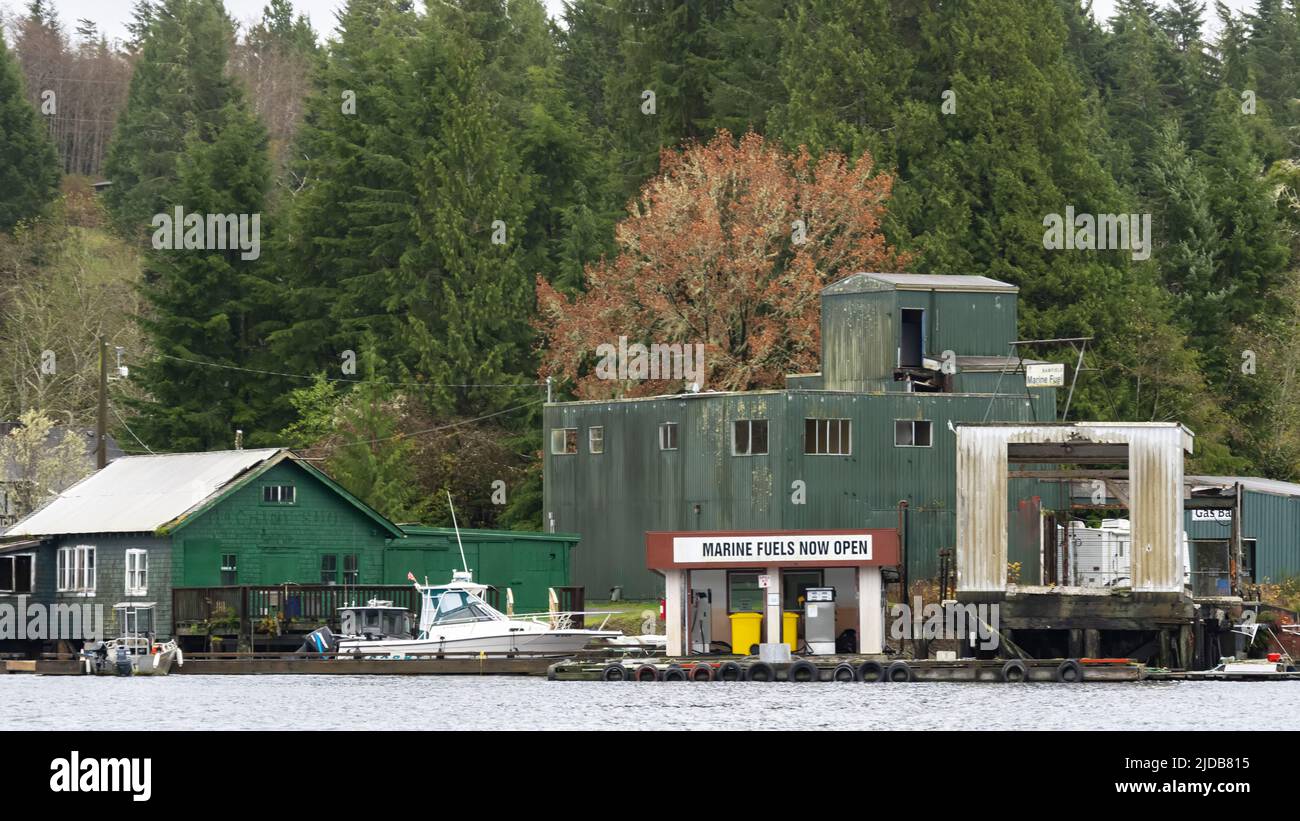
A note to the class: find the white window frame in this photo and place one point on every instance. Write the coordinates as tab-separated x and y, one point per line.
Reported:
31	580
667	431
277	497
563	440
822	427
140	570
749	437
76	577
596	439
913	423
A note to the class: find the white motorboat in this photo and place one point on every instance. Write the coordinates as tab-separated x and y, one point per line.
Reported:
135	652
455	619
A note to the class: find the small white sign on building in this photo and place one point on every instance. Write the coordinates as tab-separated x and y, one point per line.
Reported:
1211	515
774	548
1045	376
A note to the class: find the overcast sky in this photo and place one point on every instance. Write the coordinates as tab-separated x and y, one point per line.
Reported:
112	14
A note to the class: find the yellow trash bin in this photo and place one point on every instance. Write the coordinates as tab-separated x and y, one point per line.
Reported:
790	629
746	629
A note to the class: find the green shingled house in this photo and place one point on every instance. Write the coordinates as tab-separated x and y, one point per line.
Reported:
146	525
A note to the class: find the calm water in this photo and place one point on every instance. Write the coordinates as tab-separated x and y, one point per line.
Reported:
450	702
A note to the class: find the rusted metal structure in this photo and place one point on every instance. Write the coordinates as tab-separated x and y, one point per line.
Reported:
1153	618
1149	454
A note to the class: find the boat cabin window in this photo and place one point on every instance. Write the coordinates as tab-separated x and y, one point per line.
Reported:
372	621
135	621
455	605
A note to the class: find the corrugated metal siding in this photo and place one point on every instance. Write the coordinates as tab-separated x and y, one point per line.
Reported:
1273	521
526	563
612	499
979	324
859	340
1156	470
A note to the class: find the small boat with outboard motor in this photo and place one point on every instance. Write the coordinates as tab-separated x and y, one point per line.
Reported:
135	652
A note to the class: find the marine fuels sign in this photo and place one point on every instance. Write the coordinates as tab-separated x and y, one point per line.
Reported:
760	549
772	548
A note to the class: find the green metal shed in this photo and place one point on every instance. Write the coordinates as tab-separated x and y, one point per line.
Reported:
524	562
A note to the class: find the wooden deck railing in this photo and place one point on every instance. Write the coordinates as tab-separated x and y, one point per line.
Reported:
238	609
232	609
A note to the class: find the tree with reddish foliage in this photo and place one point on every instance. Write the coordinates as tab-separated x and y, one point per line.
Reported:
728	247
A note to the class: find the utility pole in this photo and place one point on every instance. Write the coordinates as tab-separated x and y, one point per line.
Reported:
101	418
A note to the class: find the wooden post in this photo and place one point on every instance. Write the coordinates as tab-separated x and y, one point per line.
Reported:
1092	643
101	415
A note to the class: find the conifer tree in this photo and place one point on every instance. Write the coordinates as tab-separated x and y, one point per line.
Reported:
29	166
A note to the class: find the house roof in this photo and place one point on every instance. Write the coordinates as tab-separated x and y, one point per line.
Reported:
869	281
1273	486
162	493
137	494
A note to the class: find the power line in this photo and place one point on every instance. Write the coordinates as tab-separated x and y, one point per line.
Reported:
441	427
314	377
128	429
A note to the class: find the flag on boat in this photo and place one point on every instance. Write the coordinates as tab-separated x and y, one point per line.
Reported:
410	576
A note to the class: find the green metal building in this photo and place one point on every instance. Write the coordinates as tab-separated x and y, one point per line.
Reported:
526	563
1270	531
839	448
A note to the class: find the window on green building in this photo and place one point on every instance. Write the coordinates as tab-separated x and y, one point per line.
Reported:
229	569
668	436
352	569
596	439
833	437
278	494
912	433
329	569
749	437
564	441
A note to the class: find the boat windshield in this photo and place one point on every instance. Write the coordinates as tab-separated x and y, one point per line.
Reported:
457	605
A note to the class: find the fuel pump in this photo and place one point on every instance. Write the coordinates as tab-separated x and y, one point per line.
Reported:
819	620
701	620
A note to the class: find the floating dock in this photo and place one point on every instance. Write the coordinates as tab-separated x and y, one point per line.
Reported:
848	668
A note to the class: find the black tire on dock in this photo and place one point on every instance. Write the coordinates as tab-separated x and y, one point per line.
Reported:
803	670
613	672
871	671
899	671
675	672
1014	671
844	672
702	672
760	671
1068	671
647	672
730	671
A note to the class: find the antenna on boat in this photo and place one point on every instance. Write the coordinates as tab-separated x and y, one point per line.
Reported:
463	563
